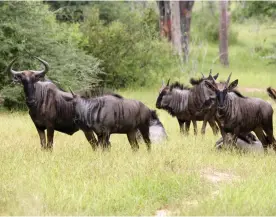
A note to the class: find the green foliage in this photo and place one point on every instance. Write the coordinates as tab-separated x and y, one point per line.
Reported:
31	27
130	48
205	25
259	9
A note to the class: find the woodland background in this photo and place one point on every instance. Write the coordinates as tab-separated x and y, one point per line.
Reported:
124	45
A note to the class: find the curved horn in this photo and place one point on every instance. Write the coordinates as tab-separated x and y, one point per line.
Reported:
227	82
202	75
210	73
73	94
168	83
46	67
9	68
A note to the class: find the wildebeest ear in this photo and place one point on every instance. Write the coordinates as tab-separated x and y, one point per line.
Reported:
233	85
216	76
210	85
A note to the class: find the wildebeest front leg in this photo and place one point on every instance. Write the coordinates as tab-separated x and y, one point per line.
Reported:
50	138
42	137
103	141
214	127
195	127
181	125
91	139
132	140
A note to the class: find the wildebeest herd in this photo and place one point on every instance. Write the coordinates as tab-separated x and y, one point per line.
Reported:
218	103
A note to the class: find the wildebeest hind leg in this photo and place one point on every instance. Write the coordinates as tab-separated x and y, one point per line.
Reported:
214	127
270	138
42	137
145	133
50	138
260	134
132	140
91	139
203	128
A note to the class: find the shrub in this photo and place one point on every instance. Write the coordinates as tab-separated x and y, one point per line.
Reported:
258	9
130	48
30	26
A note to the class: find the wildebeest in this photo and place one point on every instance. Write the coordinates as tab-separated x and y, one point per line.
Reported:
249	143
157	131
110	114
239	115
189	104
47	107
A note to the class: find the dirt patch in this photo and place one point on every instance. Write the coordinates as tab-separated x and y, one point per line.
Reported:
162	212
217	177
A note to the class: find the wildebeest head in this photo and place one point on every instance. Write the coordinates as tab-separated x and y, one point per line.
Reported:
164	96
27	76
221	89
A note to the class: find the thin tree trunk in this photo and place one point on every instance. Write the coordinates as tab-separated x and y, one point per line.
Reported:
186	16
164	19
223	35
176	28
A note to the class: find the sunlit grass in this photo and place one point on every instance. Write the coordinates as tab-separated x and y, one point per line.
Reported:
174	176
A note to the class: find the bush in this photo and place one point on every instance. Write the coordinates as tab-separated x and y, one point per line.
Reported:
258	9
30	26
130	48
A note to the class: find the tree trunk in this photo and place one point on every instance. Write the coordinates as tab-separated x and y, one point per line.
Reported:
164	19
186	16
223	35
175	27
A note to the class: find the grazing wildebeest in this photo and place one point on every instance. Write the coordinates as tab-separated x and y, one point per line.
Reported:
110	114
249	143
239	115
189	104
47	107
156	130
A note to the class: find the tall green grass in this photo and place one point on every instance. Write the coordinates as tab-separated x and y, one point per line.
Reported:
175	175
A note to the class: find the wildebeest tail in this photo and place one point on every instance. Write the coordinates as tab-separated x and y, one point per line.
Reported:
271	92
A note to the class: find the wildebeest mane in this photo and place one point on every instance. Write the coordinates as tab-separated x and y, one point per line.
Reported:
194	81
97	92
238	93
177	85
